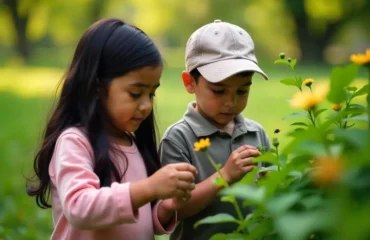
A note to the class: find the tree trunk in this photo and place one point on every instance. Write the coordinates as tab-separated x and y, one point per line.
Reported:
313	46
20	24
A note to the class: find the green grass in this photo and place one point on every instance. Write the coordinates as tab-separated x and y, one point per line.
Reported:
25	101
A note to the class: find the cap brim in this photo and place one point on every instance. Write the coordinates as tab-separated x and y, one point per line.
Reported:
218	71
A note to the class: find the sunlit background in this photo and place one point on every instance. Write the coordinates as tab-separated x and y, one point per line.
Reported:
38	37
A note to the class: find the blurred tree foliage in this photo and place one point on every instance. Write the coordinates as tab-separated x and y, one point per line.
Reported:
304	28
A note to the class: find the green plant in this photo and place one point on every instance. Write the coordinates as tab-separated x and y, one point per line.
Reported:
319	184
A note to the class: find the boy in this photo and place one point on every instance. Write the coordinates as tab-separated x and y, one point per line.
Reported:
220	63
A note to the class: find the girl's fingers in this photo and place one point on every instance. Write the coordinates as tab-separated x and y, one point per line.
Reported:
185	176
185	186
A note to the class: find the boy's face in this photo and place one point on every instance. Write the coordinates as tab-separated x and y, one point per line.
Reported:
221	102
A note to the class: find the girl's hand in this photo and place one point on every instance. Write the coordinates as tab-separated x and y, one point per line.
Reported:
173	181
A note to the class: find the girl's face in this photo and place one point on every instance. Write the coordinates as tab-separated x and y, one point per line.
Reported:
129	98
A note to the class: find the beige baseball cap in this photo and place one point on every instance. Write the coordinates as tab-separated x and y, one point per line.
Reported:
219	50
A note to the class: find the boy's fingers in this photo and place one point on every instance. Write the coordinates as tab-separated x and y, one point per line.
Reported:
244	147
247	161
250	153
248	168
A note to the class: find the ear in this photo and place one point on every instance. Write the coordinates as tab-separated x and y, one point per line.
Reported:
188	82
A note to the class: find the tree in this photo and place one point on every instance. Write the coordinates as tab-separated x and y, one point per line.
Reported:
20	17
313	42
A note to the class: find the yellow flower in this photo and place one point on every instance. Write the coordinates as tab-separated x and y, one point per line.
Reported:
308	100
337	107
327	170
202	144
308	82
361	58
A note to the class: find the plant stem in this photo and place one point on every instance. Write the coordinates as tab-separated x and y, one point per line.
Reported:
234	202
277	156
295	76
368	106
311	117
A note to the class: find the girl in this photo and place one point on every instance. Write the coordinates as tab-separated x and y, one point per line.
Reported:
99	146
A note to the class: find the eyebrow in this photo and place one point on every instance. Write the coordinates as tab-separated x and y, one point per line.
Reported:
143	85
223	85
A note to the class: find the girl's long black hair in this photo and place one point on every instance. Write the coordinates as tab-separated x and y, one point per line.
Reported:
108	49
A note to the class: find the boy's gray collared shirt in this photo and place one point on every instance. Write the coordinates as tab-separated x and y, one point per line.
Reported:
177	146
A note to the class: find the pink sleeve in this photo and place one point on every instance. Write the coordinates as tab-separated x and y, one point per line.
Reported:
85	205
158	228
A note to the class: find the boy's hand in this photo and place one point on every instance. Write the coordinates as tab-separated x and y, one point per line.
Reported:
239	163
176	203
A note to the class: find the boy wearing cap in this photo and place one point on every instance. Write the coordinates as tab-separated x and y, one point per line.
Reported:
220	63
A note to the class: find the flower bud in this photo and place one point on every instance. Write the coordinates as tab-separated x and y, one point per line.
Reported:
275	142
282	55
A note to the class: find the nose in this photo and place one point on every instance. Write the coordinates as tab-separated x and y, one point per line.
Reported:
146	105
231	100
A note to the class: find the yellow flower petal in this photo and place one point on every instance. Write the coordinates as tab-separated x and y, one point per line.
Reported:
202	144
327	170
308	82
337	107
361	58
307	100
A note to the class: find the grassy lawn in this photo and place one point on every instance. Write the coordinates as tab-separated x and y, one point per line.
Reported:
26	96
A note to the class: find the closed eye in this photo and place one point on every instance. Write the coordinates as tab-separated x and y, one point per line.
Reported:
242	92
218	92
135	95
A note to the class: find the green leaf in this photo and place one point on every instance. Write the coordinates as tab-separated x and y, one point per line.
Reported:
297	226
282	61
266	158
310	147
300	81
311	202
357	106
364	90
229	236
229	199
267	169
355	137
219	218
296	114
351	89
289	82
283	158
220	182
339	79
279	205
260	229
248	192
318	112
218	166
295	174
250	177
354	109
293	63
299	124
363	118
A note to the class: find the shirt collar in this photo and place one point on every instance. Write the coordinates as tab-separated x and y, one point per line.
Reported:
202	127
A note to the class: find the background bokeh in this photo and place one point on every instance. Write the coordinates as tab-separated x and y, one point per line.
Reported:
38	37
